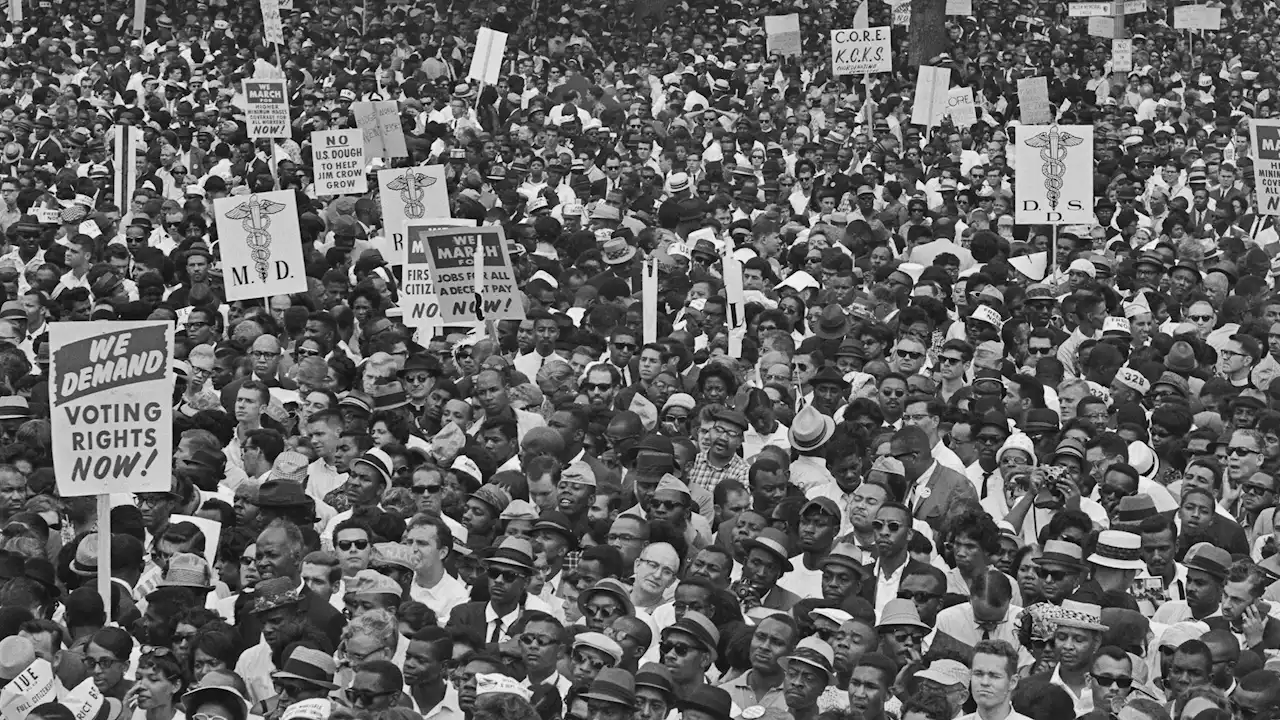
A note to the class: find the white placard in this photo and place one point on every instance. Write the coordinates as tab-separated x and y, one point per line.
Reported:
960	7
33	686
1132	7
1089	9
1197	17
266	108
413	194
486	61
1054	183
1033	100
931	95
1122	56
782	34
339	162
1265	138
902	13
859	52
961	108
261	253
273	29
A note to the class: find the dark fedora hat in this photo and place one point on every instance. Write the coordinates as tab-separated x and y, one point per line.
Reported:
711	700
613	685
282	494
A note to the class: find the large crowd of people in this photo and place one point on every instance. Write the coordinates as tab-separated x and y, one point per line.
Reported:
877	451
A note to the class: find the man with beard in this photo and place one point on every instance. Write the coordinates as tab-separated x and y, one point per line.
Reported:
1075	643
762	684
720	461
766	561
509	570
819	523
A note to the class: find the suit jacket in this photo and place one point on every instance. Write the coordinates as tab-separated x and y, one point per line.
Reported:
470	617
316	609
945	488
780	599
1270	632
868	590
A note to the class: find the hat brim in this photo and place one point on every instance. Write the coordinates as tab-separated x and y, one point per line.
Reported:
1081	625
833	334
619	261
784	662
281	675
609	698
828	429
508	562
1060	561
1117	564
754	543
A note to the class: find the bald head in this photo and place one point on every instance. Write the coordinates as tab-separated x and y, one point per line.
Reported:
266	343
626	424
541	441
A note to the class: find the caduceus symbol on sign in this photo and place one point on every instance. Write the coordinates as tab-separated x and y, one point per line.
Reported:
410	185
254	215
1053	150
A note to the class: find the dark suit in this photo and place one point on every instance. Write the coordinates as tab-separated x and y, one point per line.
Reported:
946	488
1270	632
321	614
470	617
868	591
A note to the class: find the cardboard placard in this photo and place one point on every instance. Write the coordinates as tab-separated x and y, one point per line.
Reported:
1054	183
1197	17
339	162
782	34
1264	136
932	85
261	254
902	13
1033	100
110	392
1122	56
859	52
486	61
1089	9
419	299
412	194
273	29
961	107
960	7
266	108
380	124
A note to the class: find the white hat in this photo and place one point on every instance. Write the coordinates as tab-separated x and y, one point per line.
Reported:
1084	266
1118	549
1133	379
800	281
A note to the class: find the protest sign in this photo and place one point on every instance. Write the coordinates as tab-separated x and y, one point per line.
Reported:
110	393
266	108
649	299
139	16
409	195
1107	27
782	34
1131	7
931	95
449	257
486	61
84	700
273	29
960	7
339	162
1054	183
859	52
961	108
1033	100
1089	9
1122	56
261	254
1264	135
380	124
418	299
13	10
32	687
902	13
1197	17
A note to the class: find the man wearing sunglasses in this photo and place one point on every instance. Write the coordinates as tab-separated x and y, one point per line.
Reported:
509	569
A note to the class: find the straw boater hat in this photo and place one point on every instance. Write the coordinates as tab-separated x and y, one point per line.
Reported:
1118	550
1082	616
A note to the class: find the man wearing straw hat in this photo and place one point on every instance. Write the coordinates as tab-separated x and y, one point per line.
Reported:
1075	642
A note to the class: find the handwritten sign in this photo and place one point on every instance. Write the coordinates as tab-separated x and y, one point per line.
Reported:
961	108
859	52
273	29
339	162
902	13
1132	7
1197	17
382	132
1107	27
1033	100
960	7
1122	56
447	257
266	108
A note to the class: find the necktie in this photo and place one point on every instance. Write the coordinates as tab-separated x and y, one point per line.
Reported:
987	629
497	630
986	479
